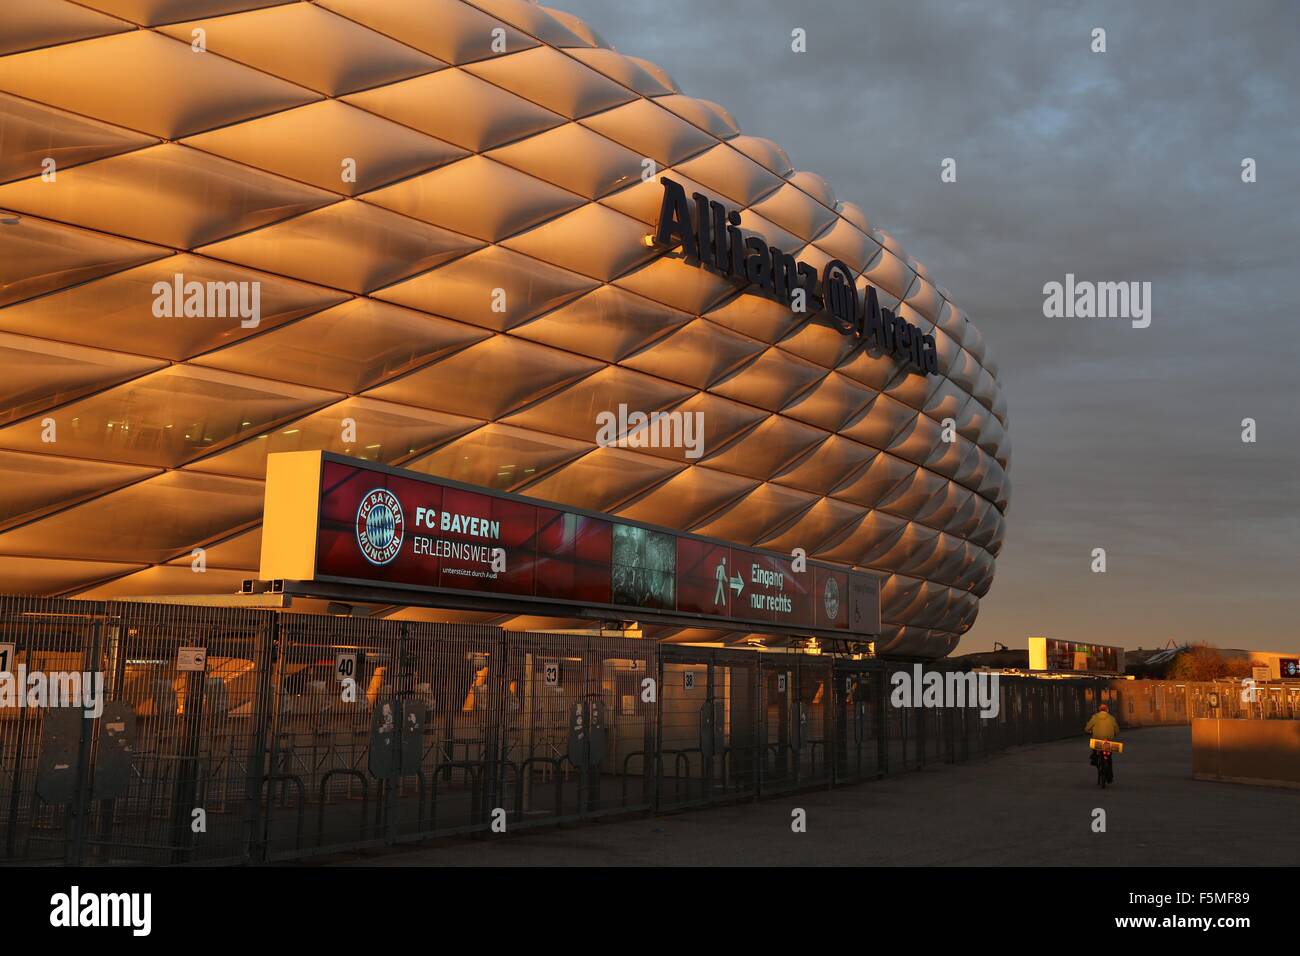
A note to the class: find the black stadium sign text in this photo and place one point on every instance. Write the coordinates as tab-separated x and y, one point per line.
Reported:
710	236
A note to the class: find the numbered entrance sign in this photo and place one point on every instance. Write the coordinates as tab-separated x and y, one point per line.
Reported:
345	665
551	673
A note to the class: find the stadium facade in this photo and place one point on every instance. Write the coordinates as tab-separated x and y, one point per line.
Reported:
433	235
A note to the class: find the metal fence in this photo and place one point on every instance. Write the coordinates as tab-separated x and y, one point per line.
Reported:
1151	703
235	735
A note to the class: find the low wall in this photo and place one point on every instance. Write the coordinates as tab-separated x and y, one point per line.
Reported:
1263	752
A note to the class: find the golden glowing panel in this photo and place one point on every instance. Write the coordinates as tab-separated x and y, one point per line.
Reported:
771	381
351	245
347	348
380	432
758	514
872	484
817	529
167	194
688	498
768	155
450	30
242	550
573	410
170	579
765	450
37	257
608	324
677	285
828	466
829	403
698	355
35	484
332	55
458	107
140	310
716	423
165	418
758	318
574	158
536	21
647	129
553	80
330	145
36	135
151	521
40	374
493	288
621	69
566	242
606	477
47	576
704	114
731	173
130	69
500	456
846	242
477	197
796	211
36	23
488	379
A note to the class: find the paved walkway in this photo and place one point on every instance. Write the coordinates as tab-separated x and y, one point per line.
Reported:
1032	806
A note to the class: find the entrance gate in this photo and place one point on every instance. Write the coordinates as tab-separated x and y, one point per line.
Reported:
243	735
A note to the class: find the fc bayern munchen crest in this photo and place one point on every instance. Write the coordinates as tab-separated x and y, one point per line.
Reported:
380	525
831	599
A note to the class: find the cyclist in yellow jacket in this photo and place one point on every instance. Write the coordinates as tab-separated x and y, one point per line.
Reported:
1102	725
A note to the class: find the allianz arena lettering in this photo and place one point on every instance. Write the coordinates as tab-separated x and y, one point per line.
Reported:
712	238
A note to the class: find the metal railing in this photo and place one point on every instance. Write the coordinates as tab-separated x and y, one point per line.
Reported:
294	734
1152	703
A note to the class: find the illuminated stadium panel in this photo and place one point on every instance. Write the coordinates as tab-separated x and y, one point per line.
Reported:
468	301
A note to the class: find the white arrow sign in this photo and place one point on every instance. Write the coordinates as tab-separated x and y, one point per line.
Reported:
737	584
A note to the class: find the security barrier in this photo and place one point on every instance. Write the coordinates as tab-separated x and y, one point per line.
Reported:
1151	703
240	735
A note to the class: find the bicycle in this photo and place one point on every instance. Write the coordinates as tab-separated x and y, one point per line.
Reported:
1103	752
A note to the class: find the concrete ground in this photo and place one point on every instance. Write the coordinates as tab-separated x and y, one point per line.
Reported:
1032	806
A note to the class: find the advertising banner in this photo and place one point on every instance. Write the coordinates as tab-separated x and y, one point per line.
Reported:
334	519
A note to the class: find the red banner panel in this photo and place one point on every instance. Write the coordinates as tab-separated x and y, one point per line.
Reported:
705	579
772	591
572	557
378	526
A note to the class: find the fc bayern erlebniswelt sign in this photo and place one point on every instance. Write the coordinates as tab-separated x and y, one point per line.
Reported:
334	519
709	236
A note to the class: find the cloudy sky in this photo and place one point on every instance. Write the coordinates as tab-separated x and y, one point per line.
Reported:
1116	166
